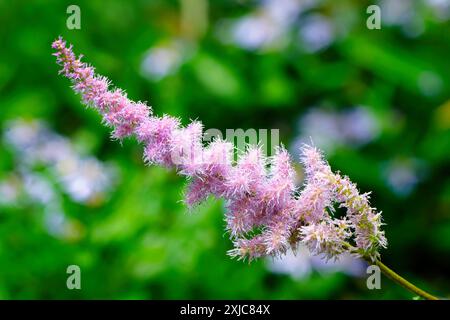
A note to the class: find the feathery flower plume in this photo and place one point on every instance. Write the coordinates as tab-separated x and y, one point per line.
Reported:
323	190
264	214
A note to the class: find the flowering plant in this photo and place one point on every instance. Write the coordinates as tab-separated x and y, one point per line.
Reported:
266	212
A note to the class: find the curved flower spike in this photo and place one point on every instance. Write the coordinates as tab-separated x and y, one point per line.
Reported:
260	192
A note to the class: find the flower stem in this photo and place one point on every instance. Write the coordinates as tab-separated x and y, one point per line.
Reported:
402	281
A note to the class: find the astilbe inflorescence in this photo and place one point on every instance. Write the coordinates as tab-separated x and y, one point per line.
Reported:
266	214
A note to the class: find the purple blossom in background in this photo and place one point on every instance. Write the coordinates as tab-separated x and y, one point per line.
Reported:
47	165
403	174
331	129
316	33
84	178
267	26
164	59
266	215
405	14
299	264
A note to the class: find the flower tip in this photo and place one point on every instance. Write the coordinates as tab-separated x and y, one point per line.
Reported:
59	43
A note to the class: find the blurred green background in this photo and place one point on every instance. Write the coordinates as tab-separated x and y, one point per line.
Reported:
376	101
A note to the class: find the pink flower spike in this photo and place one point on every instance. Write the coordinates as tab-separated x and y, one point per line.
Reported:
260	193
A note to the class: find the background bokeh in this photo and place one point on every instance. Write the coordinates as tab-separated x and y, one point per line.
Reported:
376	101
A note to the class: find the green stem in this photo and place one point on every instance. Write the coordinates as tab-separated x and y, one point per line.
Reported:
402	281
